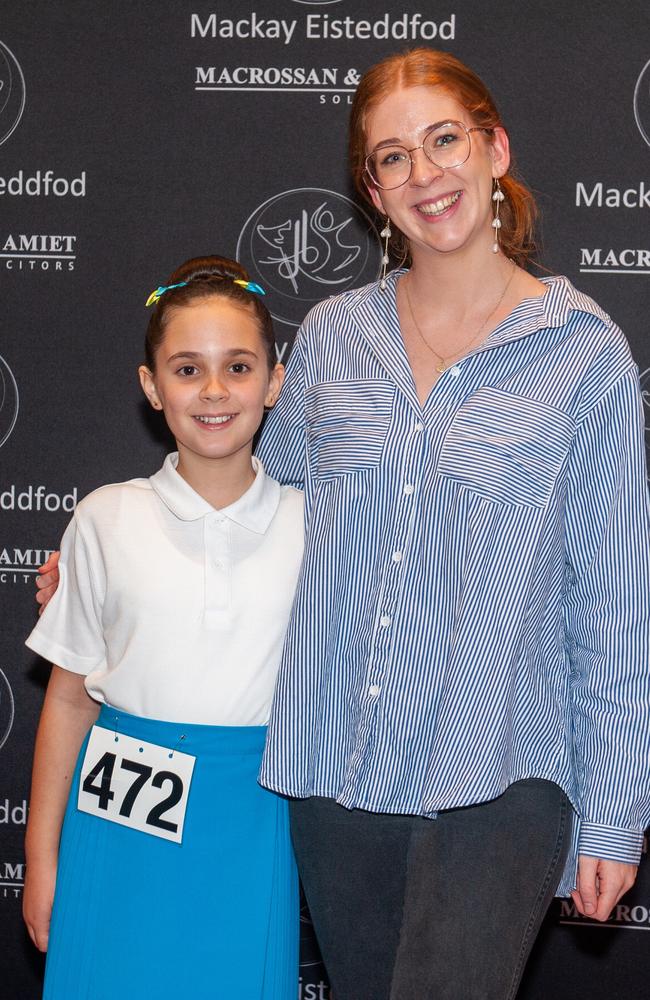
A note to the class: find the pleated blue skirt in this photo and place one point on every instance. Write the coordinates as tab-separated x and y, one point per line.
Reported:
136	917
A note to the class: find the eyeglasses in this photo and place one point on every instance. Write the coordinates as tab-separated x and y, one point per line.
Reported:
446	145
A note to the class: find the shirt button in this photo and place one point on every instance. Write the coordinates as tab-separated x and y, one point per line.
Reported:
385	620
397	556
409	489
455	371
373	690
419	428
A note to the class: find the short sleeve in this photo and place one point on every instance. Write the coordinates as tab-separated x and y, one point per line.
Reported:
69	632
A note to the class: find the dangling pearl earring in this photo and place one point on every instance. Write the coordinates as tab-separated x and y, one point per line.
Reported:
497	197
385	235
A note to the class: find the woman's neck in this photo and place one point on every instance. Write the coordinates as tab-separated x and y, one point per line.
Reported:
455	285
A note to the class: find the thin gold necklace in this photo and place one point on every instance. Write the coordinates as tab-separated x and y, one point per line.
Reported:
443	363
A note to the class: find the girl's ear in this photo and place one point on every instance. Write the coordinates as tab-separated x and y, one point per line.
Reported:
275	385
149	386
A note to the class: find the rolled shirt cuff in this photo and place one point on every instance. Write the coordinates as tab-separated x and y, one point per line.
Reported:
610	842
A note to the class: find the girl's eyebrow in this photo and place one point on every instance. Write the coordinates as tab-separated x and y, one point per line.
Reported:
184	354
234	351
241	350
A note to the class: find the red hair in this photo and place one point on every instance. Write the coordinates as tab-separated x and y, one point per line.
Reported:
432	68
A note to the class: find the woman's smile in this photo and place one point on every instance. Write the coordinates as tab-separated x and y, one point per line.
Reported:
437	208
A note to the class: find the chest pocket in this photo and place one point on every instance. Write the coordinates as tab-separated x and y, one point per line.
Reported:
506	448
347	425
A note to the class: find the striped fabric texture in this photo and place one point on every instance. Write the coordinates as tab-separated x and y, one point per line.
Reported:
474	602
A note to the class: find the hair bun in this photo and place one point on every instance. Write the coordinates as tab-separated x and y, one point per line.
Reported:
204	268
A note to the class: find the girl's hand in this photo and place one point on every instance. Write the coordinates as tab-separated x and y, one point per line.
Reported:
38	896
48	581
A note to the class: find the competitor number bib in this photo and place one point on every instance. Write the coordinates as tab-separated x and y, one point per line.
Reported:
135	783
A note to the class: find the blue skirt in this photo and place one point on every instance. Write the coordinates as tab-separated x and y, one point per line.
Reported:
137	917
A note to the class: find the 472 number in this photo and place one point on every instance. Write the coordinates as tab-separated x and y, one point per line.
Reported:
99	780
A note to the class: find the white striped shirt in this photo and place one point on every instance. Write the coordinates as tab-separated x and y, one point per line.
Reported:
474	602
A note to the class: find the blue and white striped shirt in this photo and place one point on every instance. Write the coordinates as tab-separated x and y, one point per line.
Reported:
474	602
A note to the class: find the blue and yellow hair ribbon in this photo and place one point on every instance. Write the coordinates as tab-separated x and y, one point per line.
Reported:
160	291
248	286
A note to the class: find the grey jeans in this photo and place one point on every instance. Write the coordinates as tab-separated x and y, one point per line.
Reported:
407	908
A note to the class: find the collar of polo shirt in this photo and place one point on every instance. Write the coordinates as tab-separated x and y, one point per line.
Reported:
253	510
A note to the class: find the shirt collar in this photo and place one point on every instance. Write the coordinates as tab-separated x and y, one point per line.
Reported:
543	312
563	298
254	510
551	309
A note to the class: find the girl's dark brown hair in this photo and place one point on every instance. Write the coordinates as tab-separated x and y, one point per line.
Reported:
431	68
205	277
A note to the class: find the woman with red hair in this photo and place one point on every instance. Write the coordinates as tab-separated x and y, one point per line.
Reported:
462	712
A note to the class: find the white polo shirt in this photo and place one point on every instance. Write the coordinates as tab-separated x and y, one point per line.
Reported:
174	610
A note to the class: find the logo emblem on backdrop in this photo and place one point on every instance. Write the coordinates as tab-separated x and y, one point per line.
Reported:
642	102
8	401
12	92
6	709
306	244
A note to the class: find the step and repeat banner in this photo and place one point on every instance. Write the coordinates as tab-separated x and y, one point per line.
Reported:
136	134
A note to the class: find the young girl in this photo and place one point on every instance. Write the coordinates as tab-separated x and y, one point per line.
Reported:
174	873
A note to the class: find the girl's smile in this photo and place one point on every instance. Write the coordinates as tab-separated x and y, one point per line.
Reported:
217	421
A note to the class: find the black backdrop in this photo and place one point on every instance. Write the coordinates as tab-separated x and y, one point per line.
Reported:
135	134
